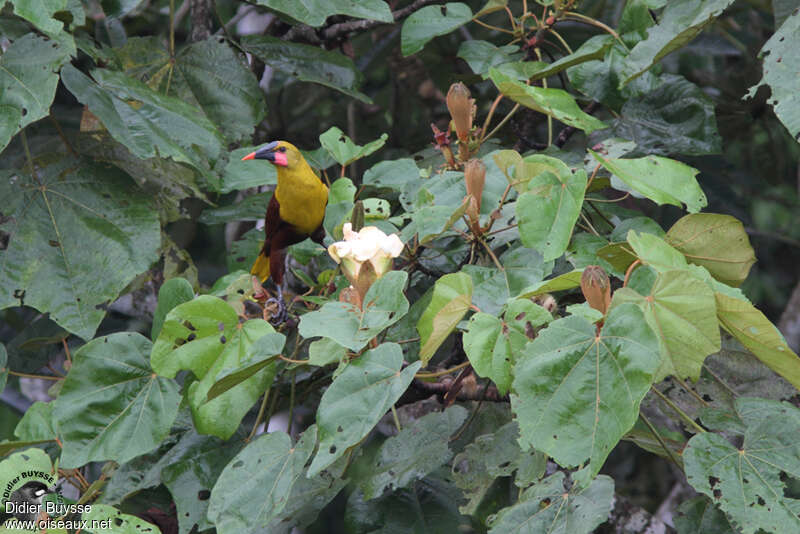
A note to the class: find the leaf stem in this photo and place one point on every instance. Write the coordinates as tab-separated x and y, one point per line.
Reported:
489	116
561	40
689	390
660	439
592	22
631	267
442	373
502	123
396	419
489	26
261	410
291	404
683	415
40	377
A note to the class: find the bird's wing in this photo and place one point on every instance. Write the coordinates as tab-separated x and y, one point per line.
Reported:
272	222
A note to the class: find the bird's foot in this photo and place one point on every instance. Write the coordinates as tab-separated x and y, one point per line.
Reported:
275	309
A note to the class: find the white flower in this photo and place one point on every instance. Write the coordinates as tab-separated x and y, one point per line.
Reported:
368	245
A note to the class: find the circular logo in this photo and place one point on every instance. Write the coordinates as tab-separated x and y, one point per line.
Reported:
28	490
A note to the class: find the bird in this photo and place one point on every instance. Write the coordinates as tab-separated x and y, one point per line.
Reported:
295	212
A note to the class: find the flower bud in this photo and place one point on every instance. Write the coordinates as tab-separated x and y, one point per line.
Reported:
596	287
461	107
475	178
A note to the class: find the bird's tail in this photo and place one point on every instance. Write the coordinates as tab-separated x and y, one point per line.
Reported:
261	267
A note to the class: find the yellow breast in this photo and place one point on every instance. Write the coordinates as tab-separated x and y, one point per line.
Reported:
302	197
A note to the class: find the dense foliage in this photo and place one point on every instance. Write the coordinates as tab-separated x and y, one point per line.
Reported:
565	340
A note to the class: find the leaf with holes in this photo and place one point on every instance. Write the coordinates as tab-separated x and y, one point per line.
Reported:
344	150
429	22
749	483
452	297
112	406
491	344
205	337
79	233
267	467
662	180
717	242
681	21
548	210
357	399
549	507
416	451
28	79
556	103
103	514
682	312
384	305
576	392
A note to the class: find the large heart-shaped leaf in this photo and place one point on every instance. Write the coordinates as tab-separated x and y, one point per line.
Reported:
314	12
576	392
549	507
749	482
28	79
112	406
267	467
557	103
717	242
148	123
682	312
357	399
344	150
205	337
452	297
308	63
79	233
548	210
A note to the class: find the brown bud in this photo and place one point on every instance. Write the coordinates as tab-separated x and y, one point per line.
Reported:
596	288
460	106
475	178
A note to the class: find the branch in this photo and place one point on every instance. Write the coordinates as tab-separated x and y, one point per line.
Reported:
444	386
335	31
200	16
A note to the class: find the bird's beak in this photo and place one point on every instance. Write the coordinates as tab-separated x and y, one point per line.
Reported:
268	152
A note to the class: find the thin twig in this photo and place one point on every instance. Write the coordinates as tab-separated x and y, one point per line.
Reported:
442	373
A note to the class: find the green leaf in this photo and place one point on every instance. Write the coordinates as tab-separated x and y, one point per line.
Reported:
554	102
548	210
682	312
263	351
325	351
392	174
344	150
251	208
268	467
37	423
523	268
452	297
562	282
717	242
492	344
384	305
204	336
112	521
28	79
753	330
577	392
308	63
416	451
483	55
173	292
240	174
432	21
662	180
681	21
592	49
549	507
655	252
112	406
79	234
677	117
700	515
40	14
191	473
3	367
748	482
357	399
148	123
314	12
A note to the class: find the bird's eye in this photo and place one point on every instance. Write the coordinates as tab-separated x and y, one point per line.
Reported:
282	149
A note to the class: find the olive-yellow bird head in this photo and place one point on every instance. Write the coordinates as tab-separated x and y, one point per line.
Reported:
281	153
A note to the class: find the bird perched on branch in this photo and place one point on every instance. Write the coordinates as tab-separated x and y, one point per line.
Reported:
295	211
